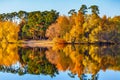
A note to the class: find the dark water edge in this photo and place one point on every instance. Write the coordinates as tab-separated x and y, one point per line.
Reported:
96	43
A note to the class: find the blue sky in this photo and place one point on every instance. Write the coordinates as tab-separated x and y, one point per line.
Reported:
108	7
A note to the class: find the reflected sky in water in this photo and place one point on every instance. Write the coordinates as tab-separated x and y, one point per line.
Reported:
107	75
60	62
61	76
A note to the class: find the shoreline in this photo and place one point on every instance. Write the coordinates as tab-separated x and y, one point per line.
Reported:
47	42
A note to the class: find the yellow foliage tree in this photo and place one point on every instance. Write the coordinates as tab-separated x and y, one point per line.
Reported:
77	29
8	32
91	27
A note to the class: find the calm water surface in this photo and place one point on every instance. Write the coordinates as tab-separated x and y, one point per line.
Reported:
60	62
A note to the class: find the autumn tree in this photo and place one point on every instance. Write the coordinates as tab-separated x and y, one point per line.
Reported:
72	12
60	29
8	32
64	24
83	9
77	29
116	21
94	9
91	28
53	31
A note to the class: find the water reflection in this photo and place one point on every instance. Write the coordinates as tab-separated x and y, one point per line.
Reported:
78	59
8	54
35	62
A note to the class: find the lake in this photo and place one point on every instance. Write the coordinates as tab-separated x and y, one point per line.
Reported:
59	62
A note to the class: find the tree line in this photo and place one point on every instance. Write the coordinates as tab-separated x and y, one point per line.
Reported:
32	25
78	27
83	27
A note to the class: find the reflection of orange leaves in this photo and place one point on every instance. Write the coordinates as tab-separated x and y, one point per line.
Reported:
78	68
31	56
93	68
58	58
76	57
60	67
9	55
52	56
80	59
58	46
10	59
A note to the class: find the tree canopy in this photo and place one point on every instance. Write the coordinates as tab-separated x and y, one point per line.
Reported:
78	27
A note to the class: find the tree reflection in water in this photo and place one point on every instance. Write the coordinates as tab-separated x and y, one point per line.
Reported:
78	59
